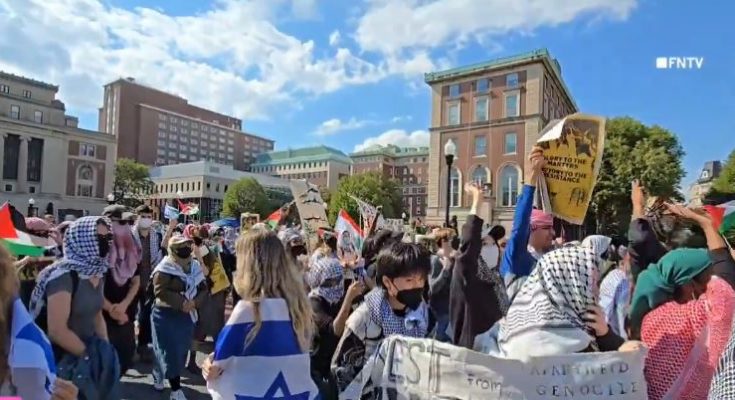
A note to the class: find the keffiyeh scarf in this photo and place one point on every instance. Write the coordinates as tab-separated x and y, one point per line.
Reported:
230	239
414	324
81	254
723	383
323	270
155	245
192	279
598	243
550	306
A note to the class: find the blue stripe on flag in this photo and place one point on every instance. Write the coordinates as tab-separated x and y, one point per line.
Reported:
33	334
274	339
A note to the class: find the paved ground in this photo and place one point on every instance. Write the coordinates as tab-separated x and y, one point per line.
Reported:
138	384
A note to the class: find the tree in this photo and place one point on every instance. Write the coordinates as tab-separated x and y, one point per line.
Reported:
277	198
725	183
651	154
132	183
371	187
245	195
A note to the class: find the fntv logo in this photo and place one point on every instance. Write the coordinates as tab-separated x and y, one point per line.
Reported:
679	62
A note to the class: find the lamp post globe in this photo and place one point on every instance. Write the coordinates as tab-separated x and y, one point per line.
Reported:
450	152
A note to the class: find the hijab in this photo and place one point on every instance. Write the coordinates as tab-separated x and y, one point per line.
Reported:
598	243
125	254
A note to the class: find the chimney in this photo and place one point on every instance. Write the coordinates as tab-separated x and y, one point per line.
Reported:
72	122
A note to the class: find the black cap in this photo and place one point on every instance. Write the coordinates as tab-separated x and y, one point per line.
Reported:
114	211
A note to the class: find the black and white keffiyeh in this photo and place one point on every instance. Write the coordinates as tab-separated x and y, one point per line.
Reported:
81	254
550	306
323	270
414	324
155	245
723	383
491	275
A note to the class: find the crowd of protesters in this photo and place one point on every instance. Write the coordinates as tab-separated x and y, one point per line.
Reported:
123	287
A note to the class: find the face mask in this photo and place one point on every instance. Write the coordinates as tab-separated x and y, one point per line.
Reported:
489	254
145	223
411	298
198	241
298	251
103	243
183	252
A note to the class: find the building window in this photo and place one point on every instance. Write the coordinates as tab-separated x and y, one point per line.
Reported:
480	146
455	187
509	186
482	85
479	175
511	80
4	89
172	145
511	105
162	125
35	159
481	109
161	152
453	114
87	150
162	117
27	94
15	112
510	143
11	149
38	117
85	181
162	134
454	90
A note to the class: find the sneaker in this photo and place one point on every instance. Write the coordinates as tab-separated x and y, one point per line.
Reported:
177	395
158	385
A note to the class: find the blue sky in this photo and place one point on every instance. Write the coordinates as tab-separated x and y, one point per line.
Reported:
349	74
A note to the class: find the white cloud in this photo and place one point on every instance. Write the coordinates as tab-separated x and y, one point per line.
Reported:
336	125
401	118
230	58
398	137
305	9
334	38
405	29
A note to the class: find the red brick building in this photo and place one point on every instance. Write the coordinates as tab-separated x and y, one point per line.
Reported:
493	112
158	128
408	165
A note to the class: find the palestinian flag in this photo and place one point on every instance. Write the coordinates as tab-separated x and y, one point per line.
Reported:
345	223
188	209
17	242
274	219
723	216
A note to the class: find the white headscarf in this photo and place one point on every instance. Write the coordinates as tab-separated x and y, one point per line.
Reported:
599	243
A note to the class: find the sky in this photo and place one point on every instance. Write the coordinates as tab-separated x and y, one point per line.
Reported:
350	73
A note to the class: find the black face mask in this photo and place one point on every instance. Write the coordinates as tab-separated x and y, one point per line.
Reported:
183	252
299	250
411	298
198	241
103	242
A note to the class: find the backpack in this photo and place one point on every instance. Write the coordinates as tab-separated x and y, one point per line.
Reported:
42	318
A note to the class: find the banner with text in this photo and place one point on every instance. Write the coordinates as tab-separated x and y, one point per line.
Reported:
573	149
418	369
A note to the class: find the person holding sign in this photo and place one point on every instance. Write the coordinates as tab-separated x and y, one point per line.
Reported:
682	308
532	234
396	307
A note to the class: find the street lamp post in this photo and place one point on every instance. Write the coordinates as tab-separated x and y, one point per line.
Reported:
31	207
110	199
450	150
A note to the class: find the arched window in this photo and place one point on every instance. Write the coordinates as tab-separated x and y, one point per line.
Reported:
85	181
509	186
479	175
455	188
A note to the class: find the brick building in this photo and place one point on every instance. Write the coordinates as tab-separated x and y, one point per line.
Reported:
321	165
45	156
158	128
493	112
407	165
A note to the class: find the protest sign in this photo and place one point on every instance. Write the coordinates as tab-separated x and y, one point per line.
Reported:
418	369
394	224
218	277
311	210
573	149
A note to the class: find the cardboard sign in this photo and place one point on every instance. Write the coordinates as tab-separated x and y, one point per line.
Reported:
218	277
410	368
311	210
573	149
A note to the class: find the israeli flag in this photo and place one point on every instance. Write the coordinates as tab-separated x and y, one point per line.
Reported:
29	347
170	212
271	366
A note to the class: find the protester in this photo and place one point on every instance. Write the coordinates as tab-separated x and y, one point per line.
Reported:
122	283
615	291
152	251
273	321
22	373
532	234
395	307
441	277
555	312
682	309
68	300
477	296
326	253
50	219
179	286
229	262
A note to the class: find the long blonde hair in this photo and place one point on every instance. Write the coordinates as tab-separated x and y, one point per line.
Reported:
8	290
265	271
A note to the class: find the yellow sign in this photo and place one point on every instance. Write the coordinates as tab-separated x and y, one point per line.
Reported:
218	277
573	149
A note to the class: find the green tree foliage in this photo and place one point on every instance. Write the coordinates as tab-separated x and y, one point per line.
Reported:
651	154
277	198
371	187
245	195
132	183
725	183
